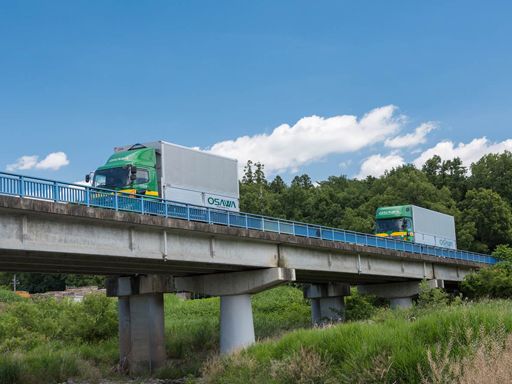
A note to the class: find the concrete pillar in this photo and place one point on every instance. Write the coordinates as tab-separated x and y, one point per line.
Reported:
327	302
235	290
400	302
141	320
147	332
124	331
236	323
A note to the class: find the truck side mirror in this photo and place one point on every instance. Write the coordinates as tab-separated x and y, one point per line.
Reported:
133	173
87	178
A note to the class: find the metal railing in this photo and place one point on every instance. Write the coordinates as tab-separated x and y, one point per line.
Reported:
37	188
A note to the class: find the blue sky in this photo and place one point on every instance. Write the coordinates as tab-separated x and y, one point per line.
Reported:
82	77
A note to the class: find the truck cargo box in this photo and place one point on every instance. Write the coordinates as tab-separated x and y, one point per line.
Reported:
433	228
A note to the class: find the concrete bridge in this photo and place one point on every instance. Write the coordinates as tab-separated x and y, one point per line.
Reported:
144	256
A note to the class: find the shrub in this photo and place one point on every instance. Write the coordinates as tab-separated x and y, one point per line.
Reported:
493	282
431	297
503	252
359	307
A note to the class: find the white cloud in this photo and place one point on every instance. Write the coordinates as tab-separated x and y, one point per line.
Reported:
468	153
53	161
312	138
24	162
419	136
376	165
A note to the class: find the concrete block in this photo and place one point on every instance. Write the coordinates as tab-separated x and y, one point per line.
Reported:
313	291
139	285
235	283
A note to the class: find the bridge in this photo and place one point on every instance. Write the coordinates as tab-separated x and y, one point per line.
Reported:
147	247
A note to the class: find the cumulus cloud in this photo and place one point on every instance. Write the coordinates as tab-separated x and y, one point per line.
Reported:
24	162
419	136
312	138
468	153
376	165
52	161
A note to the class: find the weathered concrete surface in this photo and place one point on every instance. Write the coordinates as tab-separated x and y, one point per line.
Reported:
235	283
52	237
327	302
397	290
141	332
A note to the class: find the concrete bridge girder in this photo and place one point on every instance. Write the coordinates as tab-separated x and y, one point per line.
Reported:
89	239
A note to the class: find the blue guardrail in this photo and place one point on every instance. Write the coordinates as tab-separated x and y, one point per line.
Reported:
36	188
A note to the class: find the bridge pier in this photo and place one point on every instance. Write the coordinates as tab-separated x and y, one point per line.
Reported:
141	320
236	323
327	302
235	290
400	302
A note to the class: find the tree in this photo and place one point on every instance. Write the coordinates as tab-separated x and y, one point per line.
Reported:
491	216
259	174
277	185
494	171
302	181
248	176
449	173
492	282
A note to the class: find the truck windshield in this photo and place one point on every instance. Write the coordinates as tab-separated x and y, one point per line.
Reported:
390	225
111	178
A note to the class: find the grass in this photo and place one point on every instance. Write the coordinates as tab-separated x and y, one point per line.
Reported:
45	341
49	341
392	348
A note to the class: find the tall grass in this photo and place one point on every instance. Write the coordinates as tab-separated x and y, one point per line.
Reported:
48	341
393	348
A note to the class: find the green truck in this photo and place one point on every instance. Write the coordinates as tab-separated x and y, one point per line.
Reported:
173	172
416	224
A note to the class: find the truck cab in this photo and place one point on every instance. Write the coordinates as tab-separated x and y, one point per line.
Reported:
132	171
395	222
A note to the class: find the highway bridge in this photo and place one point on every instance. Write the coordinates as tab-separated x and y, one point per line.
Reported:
148	246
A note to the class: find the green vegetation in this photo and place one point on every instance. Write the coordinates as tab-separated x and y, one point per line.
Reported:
392	348
49	341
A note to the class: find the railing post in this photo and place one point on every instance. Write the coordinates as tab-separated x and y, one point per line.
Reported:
278	226
307	230
116	200
209	216
55	191
229	220
87	196
246	221
188	212
166	209
22	186
142	205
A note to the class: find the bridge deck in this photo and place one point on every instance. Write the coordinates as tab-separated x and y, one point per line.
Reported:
45	236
